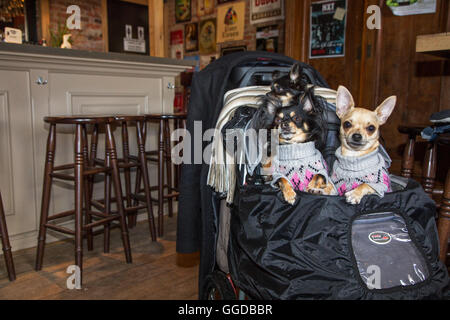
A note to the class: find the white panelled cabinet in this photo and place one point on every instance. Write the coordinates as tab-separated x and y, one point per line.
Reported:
36	82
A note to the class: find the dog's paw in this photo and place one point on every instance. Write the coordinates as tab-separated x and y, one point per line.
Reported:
354	196
318	185
289	195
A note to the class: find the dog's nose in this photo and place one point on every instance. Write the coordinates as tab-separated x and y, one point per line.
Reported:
284	125
357	137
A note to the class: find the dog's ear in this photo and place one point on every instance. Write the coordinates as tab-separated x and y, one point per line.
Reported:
344	101
385	109
295	73
307	105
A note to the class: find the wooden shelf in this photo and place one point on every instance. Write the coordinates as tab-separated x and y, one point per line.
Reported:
435	44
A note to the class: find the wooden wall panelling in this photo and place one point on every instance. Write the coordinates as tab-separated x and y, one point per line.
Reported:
156	27
414	78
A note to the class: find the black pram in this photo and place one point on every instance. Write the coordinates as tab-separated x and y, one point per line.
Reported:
320	247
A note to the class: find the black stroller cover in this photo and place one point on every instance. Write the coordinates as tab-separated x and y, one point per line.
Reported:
197	214
324	248
320	248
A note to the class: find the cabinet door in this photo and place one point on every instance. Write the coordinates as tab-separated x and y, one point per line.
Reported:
16	152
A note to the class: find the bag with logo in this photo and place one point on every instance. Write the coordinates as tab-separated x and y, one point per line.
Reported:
325	248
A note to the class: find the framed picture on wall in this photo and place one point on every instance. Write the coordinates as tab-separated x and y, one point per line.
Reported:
328	26
224	1
205	7
182	10
207	36
191	37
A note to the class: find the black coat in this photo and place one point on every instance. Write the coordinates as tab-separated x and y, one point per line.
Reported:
197	215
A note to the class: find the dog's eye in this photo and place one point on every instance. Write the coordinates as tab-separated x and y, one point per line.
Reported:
296	118
277	121
371	128
347	125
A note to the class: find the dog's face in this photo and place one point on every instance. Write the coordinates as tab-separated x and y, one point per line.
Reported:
360	128
286	88
293	123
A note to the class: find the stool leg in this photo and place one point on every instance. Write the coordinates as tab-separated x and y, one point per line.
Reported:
111	145
127	173
161	180
107	197
168	160
444	220
408	158
144	169
429	168
5	244
79	186
87	192
46	192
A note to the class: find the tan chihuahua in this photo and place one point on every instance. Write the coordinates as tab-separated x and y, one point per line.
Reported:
360	169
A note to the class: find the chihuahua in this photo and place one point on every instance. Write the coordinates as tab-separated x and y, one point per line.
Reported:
360	169
296	114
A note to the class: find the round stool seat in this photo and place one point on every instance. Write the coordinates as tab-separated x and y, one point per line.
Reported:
127	117
78	119
164	116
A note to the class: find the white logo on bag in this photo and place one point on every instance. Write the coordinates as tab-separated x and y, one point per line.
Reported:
380	237
374	277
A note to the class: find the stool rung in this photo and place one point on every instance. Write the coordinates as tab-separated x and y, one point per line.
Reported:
64	167
99	215
99	161
100	222
93	171
135	208
127	165
60	229
171	195
98	205
61	215
62	176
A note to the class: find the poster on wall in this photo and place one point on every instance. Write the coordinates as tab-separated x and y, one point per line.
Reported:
327	33
176	44
263	11
231	22
205	7
182	10
267	38
207	36
411	7
191	37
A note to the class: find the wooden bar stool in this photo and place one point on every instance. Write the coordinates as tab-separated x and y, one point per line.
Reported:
5	244
82	170
163	158
428	179
128	161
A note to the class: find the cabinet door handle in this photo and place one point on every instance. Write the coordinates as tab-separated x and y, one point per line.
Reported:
170	85
41	81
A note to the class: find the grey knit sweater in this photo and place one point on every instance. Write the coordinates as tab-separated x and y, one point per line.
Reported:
298	163
350	172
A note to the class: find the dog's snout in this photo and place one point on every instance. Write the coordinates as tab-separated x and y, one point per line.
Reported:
285	125
357	137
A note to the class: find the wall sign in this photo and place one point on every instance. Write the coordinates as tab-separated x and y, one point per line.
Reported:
266	10
205	7
176	44
231	22
207	36
327	33
182	10
191	36
267	38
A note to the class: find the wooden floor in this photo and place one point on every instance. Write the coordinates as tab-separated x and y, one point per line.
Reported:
157	271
